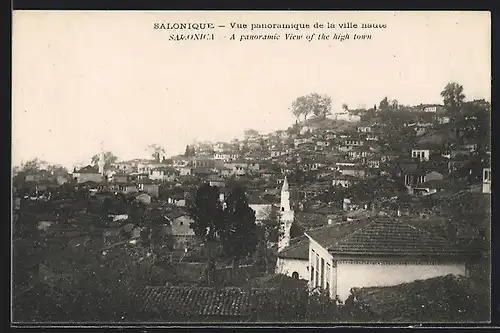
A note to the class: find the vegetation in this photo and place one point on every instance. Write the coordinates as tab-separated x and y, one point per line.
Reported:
316	104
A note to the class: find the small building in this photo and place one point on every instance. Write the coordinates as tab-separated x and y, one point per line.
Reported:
293	261
343	180
87	174
421	154
149	187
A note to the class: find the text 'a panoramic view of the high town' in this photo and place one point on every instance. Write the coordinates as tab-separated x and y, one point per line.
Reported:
375	214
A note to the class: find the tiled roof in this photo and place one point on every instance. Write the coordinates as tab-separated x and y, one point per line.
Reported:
194	301
328	235
442	299
88	169
387	236
298	250
381	235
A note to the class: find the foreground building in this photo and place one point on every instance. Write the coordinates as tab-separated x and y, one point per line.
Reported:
377	252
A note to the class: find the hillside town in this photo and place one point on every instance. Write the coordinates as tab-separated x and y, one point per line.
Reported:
377	214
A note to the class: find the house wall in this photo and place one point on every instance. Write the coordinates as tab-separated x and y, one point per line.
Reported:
88	177
316	253
288	266
152	190
423	154
365	274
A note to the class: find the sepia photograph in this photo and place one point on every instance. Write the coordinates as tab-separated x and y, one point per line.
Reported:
284	167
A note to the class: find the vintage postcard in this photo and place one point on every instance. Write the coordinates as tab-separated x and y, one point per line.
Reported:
251	167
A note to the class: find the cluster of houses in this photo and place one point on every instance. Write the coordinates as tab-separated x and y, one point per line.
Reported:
367	249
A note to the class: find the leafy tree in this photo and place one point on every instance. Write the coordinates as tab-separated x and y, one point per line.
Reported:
207	214
319	105
296	230
109	159
156	151
239	233
345	107
453	98
190	151
384	104
394	105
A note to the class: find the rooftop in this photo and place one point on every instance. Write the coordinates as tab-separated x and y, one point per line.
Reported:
297	250
381	236
194	301
442	299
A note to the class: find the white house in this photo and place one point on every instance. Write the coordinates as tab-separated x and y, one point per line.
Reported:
343	180
346	116
421	154
487	180
377	251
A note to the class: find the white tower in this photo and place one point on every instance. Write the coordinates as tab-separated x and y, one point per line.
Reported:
100	163
286	217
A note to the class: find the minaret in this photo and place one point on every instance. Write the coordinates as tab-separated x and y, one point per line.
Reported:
286	217
100	163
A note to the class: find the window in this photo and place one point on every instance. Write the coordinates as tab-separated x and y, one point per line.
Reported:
317	270
312	274
295	275
322	272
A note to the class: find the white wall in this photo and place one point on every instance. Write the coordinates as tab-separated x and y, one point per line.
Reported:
287	266
316	249
351	275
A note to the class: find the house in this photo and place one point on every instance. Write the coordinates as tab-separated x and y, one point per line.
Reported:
293	261
343	180
430	187
359	152
149	187
163	173
432	108
350	143
182	234
185	171
125	188
238	168
354	171
215	180
87	174
120	178
442	120
487	180
364	129
423	154
346	116
378	251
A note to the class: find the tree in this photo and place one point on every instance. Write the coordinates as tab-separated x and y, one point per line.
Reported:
190	151
239	233
156	151
319	105
384	104
453	98
296	230
109	159
32	165
394	105
207	214
345	107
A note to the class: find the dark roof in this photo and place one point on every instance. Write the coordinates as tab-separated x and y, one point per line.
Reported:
88	169
197	301
442	299
298	250
383	236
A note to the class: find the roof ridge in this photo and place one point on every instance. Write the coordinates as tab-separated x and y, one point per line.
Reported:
358	228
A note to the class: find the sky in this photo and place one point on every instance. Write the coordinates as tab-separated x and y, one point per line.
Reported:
86	79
